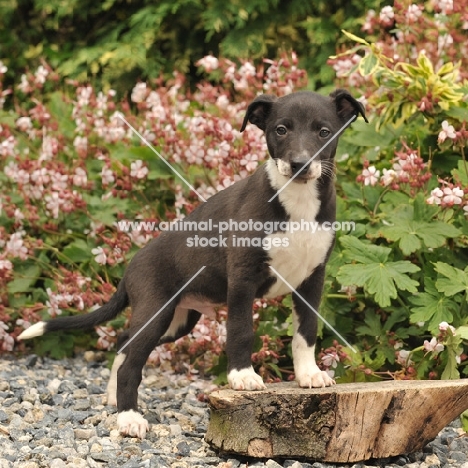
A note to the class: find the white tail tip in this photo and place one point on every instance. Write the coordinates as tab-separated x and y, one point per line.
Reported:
38	329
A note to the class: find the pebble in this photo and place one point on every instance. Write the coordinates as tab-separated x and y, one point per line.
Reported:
53	414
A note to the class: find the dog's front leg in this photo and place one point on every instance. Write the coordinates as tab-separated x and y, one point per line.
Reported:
240	338
307	372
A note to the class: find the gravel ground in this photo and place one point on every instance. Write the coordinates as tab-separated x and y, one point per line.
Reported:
52	415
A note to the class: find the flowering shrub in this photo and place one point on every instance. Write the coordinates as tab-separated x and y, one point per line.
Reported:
72	169
405	264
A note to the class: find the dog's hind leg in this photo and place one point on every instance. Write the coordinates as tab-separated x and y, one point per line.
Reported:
182	324
143	337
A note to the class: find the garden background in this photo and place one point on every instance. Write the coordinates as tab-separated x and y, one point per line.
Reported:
182	74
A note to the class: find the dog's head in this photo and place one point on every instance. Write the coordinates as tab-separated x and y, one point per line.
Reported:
301	127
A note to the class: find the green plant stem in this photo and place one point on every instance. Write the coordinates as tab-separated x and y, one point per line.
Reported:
379	200
462	150
344	296
400	301
463	305
57	252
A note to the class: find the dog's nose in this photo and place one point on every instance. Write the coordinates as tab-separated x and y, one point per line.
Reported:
299	168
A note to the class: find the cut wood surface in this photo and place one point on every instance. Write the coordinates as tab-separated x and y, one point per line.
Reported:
344	423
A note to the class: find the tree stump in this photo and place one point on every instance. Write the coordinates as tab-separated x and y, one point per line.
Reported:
340	424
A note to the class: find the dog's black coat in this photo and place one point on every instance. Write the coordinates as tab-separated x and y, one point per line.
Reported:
233	275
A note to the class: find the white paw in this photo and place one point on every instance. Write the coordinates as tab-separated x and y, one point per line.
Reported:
132	424
245	379
314	378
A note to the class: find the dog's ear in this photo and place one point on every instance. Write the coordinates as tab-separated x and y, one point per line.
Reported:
258	111
346	105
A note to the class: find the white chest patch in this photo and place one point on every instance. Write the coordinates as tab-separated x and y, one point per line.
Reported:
297	254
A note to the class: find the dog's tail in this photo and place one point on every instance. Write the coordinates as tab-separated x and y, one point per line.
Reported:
108	311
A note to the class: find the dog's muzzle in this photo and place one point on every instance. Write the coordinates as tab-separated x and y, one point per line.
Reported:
300	169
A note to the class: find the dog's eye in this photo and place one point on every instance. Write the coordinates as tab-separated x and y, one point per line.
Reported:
324	132
281	130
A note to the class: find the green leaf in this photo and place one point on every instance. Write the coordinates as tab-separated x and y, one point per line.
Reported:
432	307
368	64
451	280
451	372
461	173
459	113
363	252
462	332
355	38
24	279
464	420
372	326
382	280
76	252
410	234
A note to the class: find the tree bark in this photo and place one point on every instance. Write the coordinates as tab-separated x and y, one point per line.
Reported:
345	423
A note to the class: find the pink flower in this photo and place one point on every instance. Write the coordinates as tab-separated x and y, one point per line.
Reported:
444	6
433	345
444	326
413	13
447	132
105	335
40	176
80	178
8	147
209	63
107	176
59	181
387	15
15	247
138	238
403	358
6	265
367	26
137	170
7	340
24	124
49	148
436	197
388	177
41	75
100	255
18	215
80	143
453	196
24	86
53	204
330	360
53	303
371	175
22	177
138	92
250	161
222	101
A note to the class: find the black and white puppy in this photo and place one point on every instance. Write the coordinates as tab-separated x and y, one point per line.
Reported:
297	127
